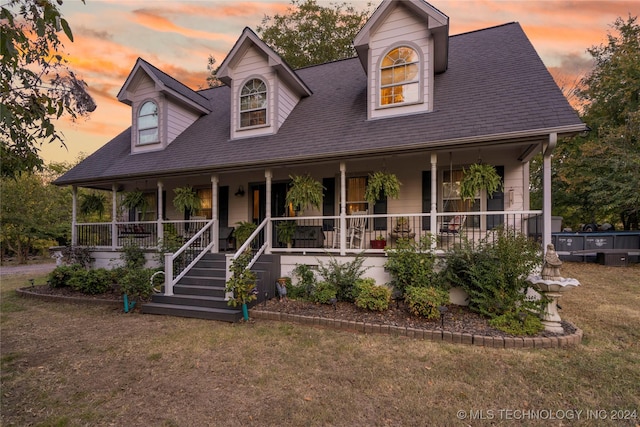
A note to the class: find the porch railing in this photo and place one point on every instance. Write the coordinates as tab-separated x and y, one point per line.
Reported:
177	264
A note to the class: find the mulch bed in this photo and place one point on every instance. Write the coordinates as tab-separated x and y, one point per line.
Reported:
455	319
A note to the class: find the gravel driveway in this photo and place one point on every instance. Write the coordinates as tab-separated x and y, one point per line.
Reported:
9	270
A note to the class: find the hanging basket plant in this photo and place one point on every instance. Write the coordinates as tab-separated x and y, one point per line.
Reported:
186	199
304	191
93	203
380	185
478	177
135	200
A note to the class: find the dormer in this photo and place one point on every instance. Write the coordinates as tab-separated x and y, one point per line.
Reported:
401	47
264	89
161	107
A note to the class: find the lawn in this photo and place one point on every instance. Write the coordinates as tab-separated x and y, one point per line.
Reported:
72	365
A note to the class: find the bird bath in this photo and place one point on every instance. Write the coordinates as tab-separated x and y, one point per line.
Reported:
551	285
553	290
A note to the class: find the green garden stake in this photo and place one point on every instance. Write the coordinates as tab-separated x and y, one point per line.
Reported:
245	312
128	306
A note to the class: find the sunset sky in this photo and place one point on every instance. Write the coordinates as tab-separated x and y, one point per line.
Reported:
178	37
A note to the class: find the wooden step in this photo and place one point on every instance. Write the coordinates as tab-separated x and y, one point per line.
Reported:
226	315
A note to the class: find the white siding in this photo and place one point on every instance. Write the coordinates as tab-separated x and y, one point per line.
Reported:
400	27
178	119
286	101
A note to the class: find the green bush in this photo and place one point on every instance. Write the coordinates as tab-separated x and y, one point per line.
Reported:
136	283
324	293
493	275
424	301
92	282
360	283
133	256
412	263
512	323
242	282
343	276
305	284
373	297
59	277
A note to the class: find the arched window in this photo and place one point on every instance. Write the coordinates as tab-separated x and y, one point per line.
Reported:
253	104
400	77
148	123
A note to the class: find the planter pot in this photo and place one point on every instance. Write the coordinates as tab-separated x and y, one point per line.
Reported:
377	244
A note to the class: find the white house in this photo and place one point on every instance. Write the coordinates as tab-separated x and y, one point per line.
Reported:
415	102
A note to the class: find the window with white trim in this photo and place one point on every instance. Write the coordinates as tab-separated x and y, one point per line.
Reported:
148	123
400	77
253	104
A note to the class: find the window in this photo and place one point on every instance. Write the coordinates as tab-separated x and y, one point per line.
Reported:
400	77
148	123
355	194
451	197
253	104
204	194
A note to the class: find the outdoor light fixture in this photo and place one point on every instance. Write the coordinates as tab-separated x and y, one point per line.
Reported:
334	302
442	309
266	295
240	191
31	281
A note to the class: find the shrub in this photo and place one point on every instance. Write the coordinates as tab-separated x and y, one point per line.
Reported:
133	256
136	282
518	323
59	277
92	282
242	282
373	297
343	276
494	274
412	263
77	255
305	284
324	293
424	301
365	281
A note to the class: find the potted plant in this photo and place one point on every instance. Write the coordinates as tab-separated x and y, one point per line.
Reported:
242	284
186	200
93	203
286	231
379	242
136	200
479	176
243	231
380	185
402	229
304	191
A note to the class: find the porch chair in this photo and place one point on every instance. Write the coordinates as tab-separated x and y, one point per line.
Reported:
454	226
357	229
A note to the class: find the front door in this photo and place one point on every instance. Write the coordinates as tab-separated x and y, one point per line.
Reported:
258	201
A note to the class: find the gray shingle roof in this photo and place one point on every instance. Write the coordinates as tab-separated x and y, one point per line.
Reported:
495	86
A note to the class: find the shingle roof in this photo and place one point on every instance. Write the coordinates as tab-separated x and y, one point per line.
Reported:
495	87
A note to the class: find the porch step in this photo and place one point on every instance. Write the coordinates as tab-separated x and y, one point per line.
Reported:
198	300
203	281
193	311
203	290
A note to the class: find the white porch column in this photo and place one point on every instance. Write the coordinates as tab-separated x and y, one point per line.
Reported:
343	208
74	215
433	223
267	209
547	150
114	216
215	230
160	228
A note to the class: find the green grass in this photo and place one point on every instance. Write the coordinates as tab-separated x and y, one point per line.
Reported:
72	365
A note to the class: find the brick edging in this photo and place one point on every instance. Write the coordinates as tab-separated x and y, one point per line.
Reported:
25	293
425	334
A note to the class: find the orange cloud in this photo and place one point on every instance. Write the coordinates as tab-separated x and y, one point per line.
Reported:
154	21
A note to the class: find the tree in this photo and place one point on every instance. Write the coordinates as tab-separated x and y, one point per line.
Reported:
34	213
37	85
212	76
310	34
598	177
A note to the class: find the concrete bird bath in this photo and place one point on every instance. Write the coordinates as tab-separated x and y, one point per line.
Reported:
552	285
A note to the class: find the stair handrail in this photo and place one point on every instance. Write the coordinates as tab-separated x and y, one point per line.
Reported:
169	280
250	239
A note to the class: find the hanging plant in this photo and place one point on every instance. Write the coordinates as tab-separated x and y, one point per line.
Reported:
380	185
93	203
186	199
304	191
478	177
136	200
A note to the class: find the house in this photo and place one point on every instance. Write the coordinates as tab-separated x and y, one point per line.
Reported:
415	102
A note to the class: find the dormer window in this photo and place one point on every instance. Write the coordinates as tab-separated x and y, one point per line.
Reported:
400	77
148	123
253	104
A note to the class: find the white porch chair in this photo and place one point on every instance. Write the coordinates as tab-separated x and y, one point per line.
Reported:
355	231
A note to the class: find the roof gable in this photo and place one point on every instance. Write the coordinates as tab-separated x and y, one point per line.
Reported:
164	84
436	21
249	39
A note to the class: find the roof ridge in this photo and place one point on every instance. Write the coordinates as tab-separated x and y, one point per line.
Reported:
171	77
487	28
